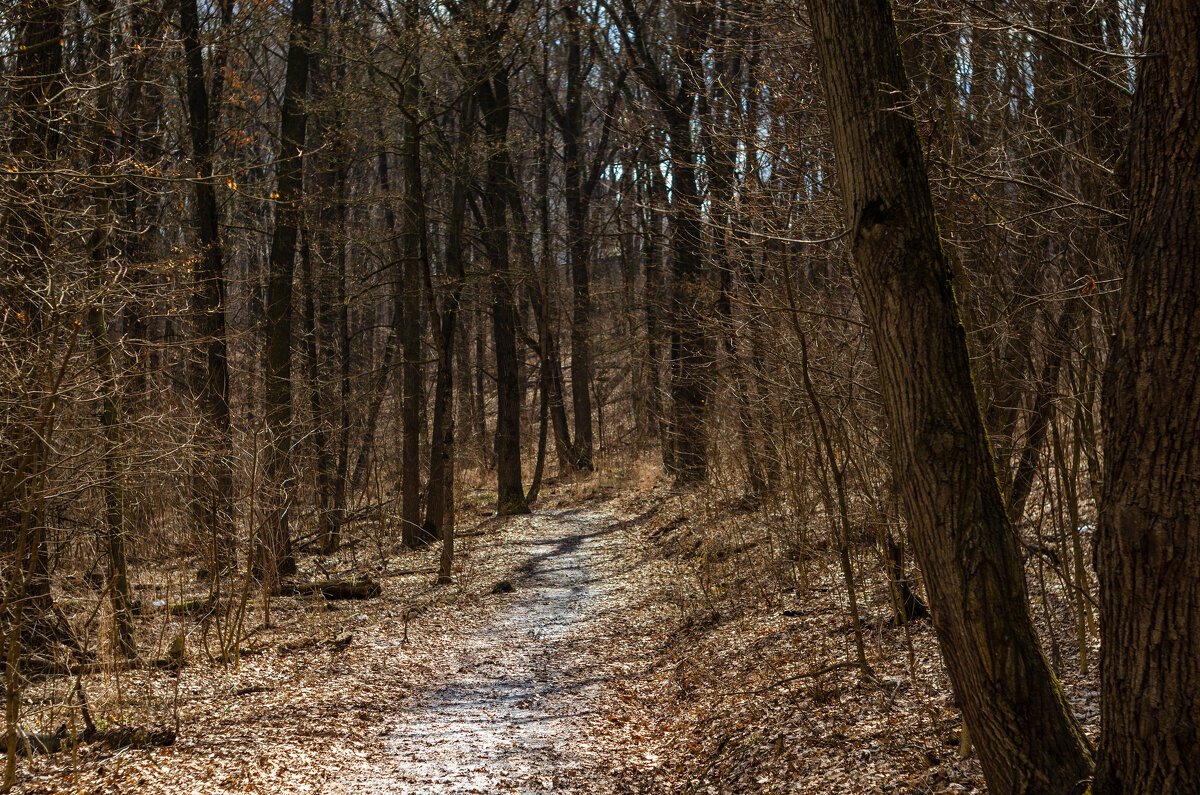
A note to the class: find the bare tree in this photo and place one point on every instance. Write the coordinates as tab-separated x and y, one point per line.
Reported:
1028	739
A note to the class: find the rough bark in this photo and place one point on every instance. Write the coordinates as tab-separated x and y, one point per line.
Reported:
1027	738
1149	543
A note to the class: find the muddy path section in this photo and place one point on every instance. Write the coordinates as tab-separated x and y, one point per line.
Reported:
512	711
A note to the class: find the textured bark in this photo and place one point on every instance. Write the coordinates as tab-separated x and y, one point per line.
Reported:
1149	542
1028	740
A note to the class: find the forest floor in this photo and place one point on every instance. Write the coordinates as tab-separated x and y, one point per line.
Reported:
639	650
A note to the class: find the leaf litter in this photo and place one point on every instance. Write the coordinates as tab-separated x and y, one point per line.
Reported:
614	662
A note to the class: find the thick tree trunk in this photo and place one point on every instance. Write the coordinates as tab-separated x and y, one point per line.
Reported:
275	545
1027	738
1149	543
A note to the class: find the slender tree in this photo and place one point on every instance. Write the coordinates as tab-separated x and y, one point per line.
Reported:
414	249
485	31
275	556
675	93
213	469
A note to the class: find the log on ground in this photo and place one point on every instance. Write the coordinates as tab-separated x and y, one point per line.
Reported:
358	587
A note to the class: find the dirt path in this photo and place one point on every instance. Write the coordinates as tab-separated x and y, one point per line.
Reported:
511	713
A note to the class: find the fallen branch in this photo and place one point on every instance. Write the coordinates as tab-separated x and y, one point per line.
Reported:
191	607
345	588
806	675
33	743
340	643
88	669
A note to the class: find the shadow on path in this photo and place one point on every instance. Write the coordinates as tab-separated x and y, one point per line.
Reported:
519	693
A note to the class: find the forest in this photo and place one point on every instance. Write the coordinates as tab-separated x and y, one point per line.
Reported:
600	396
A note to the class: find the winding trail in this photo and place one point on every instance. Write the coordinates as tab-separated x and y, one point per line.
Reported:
510	714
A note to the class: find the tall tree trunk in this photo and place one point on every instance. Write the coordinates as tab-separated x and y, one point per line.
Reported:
690	357
1149	544
495	107
275	545
439	501
212	476
326	314
719	154
541	292
111	420
487	447
577	242
1027	738
35	83
675	95
654	306
413	250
